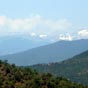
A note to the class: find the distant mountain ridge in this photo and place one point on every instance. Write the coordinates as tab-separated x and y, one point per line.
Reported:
10	45
55	52
75	69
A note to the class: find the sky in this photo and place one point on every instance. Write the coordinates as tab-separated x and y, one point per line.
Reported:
45	19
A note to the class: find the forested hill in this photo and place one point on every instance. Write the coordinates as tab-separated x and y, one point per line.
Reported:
12	76
76	68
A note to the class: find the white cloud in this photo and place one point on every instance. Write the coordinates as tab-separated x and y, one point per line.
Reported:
2	20
42	36
38	26
32	26
58	25
24	25
83	33
65	37
32	34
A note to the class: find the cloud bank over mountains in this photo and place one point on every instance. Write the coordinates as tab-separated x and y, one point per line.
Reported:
38	26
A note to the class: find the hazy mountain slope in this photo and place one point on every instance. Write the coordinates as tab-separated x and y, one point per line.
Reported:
10	45
75	68
50	53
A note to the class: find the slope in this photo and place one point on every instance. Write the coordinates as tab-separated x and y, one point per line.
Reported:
75	69
15	44
12	76
55	52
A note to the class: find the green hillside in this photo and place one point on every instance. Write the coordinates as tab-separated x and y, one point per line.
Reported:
75	69
12	76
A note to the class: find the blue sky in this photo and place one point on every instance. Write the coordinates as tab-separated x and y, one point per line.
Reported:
45	19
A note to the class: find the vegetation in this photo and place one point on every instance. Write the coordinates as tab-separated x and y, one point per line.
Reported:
12	76
75	69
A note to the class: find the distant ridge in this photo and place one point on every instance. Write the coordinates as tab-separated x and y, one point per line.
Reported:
15	44
55	52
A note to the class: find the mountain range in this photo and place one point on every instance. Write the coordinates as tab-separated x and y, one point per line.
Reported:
55	52
15	44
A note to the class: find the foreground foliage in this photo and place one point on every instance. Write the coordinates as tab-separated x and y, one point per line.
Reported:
12	76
